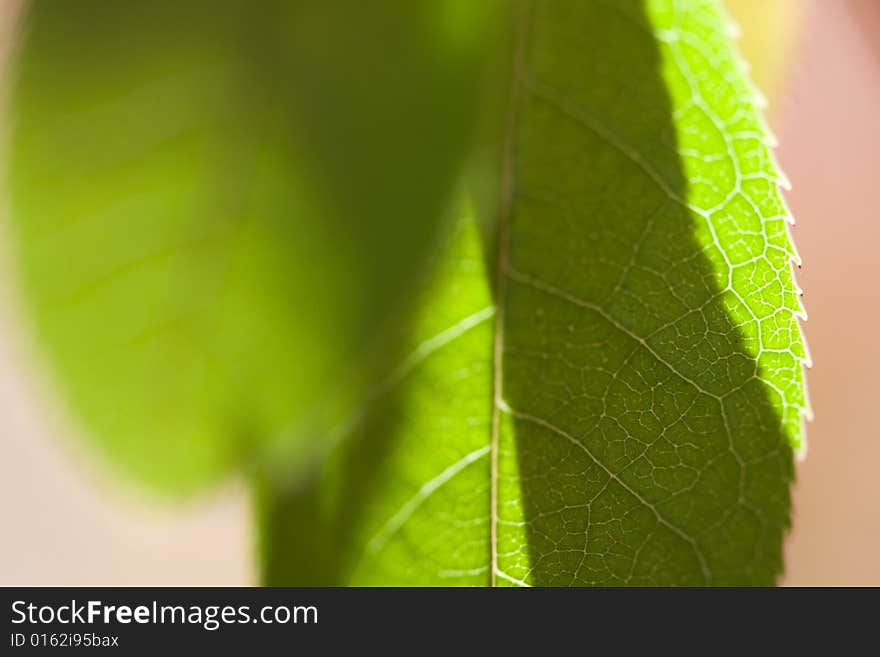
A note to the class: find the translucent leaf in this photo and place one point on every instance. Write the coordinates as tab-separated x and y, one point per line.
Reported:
630	415
218	209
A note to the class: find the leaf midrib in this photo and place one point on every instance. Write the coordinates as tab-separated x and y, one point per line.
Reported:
508	183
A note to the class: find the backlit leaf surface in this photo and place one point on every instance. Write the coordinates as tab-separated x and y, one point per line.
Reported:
218	207
621	406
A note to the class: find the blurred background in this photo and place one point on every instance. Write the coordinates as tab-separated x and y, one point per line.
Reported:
67	521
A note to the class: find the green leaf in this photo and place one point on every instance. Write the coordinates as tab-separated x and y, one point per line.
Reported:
218	210
625	412
413	452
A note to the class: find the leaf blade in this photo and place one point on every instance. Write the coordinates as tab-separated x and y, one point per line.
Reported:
401	496
212	243
640	434
652	359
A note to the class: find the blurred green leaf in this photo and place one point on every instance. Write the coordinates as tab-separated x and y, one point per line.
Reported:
647	387
410	462
218	209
